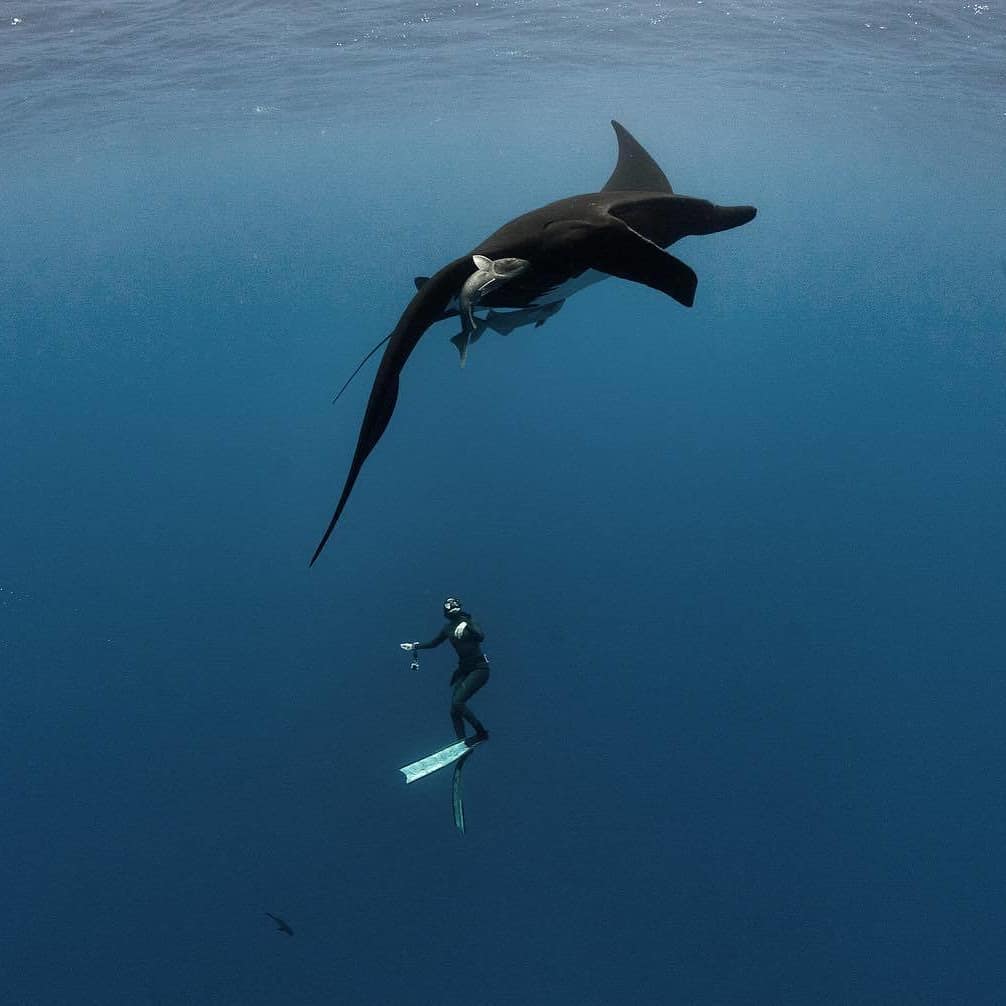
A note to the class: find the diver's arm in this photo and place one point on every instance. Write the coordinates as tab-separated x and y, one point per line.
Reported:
440	637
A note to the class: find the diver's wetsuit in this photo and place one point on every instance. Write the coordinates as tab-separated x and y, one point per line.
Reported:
471	674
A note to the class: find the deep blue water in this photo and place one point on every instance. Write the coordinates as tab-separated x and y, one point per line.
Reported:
740	566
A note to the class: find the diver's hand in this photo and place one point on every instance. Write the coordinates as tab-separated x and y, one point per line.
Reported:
408	646
459	629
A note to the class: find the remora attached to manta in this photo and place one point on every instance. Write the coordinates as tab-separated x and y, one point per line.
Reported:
622	231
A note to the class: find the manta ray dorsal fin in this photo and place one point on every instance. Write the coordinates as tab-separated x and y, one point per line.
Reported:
635	171
481	262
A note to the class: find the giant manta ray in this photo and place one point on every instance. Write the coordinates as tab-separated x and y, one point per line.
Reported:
541	258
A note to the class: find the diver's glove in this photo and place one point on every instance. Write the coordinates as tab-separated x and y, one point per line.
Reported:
459	629
408	646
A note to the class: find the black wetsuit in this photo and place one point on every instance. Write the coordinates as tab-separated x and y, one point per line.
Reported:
472	670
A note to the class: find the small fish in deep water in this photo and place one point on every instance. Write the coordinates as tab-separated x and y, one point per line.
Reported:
280	924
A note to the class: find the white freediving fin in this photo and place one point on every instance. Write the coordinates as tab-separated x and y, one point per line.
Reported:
438	760
457	797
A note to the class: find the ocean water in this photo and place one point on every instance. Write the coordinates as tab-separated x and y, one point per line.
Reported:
740	566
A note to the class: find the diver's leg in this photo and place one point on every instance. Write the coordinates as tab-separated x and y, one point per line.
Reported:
463	691
458	722
457	718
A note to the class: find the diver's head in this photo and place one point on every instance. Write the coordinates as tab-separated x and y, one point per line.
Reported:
452	608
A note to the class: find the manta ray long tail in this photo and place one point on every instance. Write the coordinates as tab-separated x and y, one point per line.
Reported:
359	367
426	307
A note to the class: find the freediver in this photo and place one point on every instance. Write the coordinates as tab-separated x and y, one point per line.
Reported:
472	671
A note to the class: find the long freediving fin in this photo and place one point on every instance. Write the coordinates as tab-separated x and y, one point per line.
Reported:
438	760
457	798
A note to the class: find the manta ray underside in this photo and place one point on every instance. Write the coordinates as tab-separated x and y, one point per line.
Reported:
622	231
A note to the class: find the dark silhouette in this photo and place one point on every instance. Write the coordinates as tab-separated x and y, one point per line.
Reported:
280	924
622	231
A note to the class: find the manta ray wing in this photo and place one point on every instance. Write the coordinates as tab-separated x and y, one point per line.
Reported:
628	255
426	307
611	246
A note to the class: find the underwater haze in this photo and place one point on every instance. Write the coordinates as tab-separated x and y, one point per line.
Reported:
740	566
